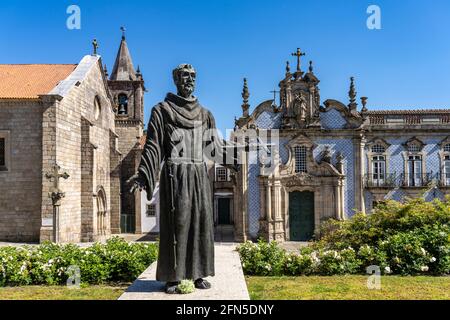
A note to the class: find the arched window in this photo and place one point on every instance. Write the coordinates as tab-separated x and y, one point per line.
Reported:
414	147
378	148
123	103
97	108
101	212
300	159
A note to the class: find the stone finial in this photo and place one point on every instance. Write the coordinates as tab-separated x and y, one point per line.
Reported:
364	103
123	32
311	67
245	96
138	72
340	162
105	70
95	45
288	69
352	95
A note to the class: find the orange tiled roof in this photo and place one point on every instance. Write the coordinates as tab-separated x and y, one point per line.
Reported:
27	81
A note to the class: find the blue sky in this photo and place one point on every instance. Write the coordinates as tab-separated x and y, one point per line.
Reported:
406	64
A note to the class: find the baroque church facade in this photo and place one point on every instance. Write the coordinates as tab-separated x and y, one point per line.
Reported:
327	159
330	160
87	123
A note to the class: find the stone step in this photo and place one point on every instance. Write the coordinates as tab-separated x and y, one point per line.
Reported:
228	284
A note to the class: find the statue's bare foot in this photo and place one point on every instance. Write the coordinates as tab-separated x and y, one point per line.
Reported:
172	287
202	284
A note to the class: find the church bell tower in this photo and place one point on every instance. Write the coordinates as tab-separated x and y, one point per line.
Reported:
127	88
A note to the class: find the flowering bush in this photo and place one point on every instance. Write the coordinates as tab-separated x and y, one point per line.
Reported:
49	263
406	239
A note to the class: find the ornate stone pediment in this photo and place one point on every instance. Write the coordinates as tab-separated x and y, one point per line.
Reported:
414	141
313	169
378	141
299	179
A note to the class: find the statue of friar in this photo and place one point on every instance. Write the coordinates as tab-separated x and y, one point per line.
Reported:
181	136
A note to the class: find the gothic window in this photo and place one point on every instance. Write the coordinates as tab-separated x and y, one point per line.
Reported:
221	174
447	147
123	104
97	107
415	175
101	212
300	159
2	152
151	210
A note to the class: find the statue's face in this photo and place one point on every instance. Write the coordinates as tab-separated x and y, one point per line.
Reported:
185	82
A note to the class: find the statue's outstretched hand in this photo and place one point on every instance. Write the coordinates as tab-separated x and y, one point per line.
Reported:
136	182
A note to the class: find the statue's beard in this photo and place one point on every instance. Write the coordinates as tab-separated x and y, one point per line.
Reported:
186	90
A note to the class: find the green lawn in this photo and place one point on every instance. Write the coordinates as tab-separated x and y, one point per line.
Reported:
347	288
100	292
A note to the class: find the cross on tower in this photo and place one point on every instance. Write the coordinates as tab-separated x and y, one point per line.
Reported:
298	54
123	31
274	95
95	45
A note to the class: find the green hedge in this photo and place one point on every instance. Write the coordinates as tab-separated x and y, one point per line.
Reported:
407	239
48	263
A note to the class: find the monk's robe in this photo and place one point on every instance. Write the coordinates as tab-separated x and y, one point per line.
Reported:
181	135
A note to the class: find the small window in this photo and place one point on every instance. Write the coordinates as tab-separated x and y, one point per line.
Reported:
447	147
378	148
97	108
2	153
151	210
123	104
414	148
221	174
300	159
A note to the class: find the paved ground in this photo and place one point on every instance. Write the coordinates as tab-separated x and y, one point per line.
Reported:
228	284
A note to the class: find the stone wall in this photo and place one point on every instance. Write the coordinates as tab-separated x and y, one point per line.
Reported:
20	186
83	151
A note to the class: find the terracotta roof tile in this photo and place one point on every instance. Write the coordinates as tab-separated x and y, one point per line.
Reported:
27	81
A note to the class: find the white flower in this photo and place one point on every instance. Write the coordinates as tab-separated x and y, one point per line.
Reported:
424	268
433	259
387	269
424	252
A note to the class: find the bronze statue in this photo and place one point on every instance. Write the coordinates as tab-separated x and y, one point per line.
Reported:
182	134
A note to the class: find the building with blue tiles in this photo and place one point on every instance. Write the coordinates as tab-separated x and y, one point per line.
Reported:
327	159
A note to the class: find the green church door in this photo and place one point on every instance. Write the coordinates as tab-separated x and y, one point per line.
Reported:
301	215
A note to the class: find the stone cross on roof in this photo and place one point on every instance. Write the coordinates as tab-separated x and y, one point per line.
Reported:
95	45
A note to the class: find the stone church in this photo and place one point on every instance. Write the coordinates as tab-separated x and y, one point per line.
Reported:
89	124
330	159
